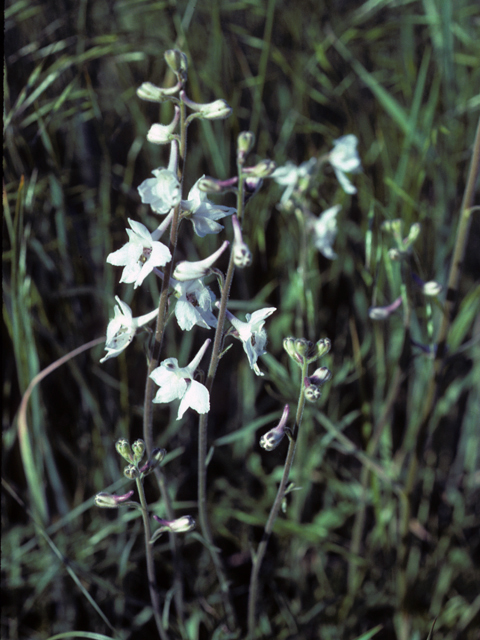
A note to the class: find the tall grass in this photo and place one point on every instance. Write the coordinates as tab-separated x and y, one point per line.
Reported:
371	545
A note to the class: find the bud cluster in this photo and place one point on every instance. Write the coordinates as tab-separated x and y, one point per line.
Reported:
404	245
134	455
302	350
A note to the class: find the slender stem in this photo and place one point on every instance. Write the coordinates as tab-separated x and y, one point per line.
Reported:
262	548
152	581
154	362
203	429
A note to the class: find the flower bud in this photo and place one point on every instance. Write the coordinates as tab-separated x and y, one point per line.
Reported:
177	61
303	346
395	255
381	313
152	93
162	133
312	392
290	348
323	346
242	256
155	459
252	186
110	501
431	288
413	233
180	525
263	169
123	448
217	110
320	376
212	185
138	448
245	142
131	472
270	440
392	226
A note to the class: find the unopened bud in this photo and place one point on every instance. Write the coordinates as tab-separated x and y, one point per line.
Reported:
138	448
242	256
110	501
245	142
323	346
395	255
152	93
131	472
263	169
312	392
413	233
392	226
180	525
212	185
123	448
381	313
432	288
320	376
270	440
217	110
177	61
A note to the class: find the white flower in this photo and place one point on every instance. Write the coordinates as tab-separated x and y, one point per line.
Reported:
163	192
140	255
193	270
252	334
122	327
344	158
289	176
324	231
176	382
204	213
194	304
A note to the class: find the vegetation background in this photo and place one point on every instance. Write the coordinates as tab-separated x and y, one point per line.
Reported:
403	76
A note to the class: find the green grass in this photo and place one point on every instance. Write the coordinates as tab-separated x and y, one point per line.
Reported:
403	76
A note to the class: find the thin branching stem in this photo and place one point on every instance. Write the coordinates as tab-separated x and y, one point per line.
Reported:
203	429
274	511
152	581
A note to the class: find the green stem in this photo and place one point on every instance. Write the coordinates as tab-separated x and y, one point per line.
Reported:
152	581
274	511
203	428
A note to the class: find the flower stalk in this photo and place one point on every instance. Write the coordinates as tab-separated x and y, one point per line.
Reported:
274	511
